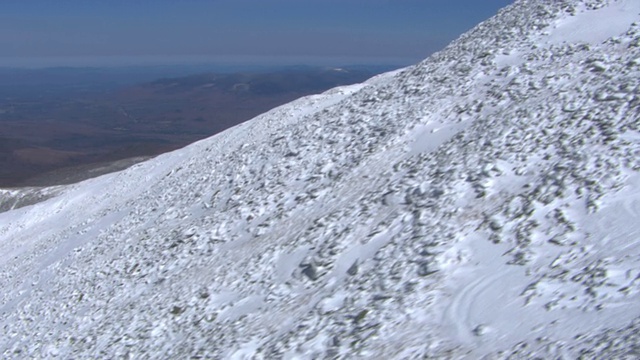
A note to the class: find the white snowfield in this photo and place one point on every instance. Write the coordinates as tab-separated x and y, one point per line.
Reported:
482	203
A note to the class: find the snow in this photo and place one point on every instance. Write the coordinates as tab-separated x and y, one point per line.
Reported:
482	203
595	26
483	279
430	136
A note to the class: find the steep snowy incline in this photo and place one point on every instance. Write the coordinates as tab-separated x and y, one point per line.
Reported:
481	203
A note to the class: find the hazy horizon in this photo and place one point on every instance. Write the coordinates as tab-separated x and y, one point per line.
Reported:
40	33
141	61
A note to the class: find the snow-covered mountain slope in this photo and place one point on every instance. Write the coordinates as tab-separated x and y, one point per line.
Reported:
484	202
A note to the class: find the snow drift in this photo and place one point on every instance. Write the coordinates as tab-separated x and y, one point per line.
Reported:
484	202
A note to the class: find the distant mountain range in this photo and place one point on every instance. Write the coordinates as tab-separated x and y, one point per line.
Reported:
78	117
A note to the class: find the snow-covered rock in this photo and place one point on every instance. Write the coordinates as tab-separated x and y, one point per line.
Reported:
484	202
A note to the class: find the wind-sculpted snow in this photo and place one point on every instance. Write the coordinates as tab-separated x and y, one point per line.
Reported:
481	203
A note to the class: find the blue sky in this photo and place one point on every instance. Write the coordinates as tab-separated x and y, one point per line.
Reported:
368	30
